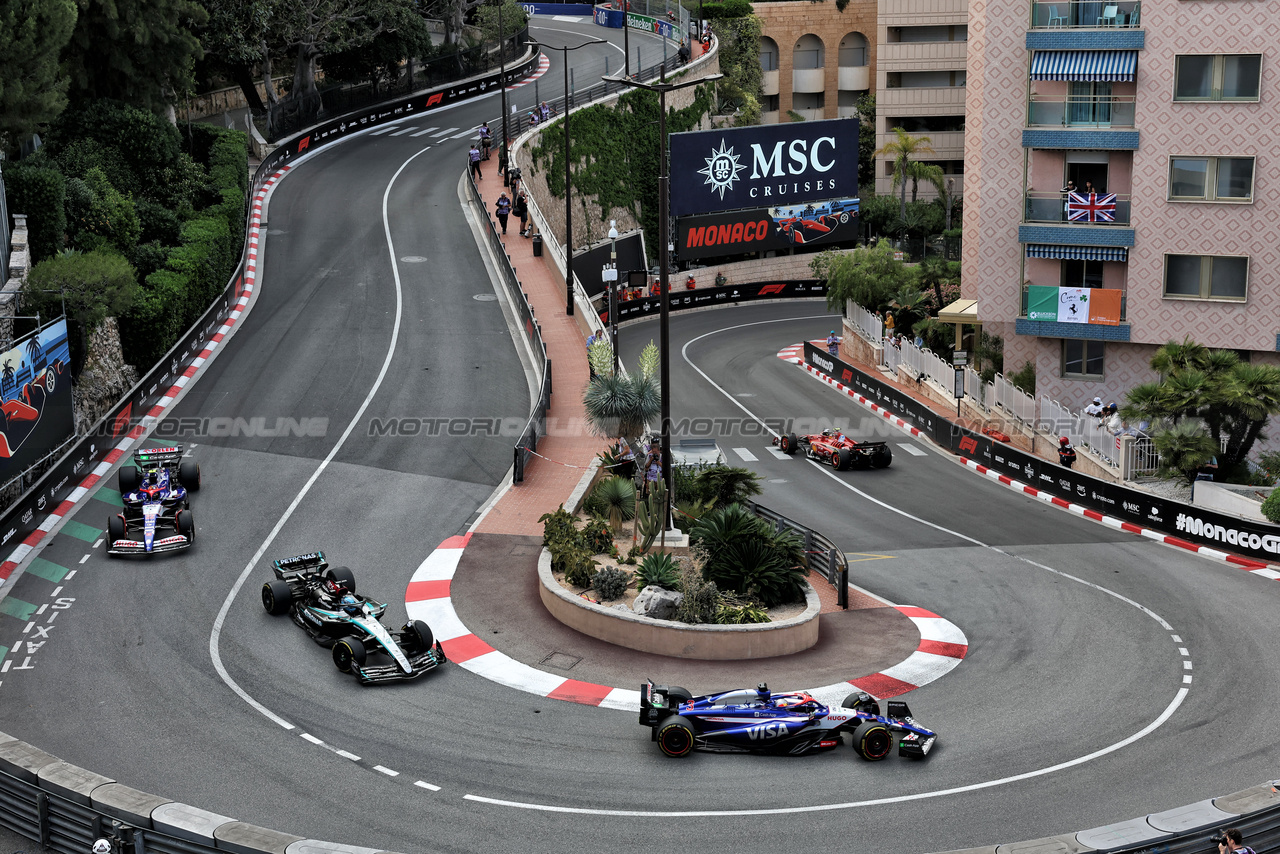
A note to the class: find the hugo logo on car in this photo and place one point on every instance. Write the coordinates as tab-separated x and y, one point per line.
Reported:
793	723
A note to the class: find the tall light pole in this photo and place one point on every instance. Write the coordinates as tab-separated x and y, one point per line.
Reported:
568	197
502	61
611	281
662	87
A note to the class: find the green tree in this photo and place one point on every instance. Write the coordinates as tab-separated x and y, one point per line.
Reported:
32	88
1184	448
936	273
866	107
742	89
921	171
904	148
111	220
403	35
235	39
92	286
142	52
40	193
909	306
514	19
868	275
878	213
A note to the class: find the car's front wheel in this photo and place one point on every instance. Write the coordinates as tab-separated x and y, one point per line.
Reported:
419	635
788	443
348	654
128	479
872	741
116	529
676	737
189	475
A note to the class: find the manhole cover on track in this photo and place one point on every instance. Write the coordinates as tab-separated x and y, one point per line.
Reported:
413	259
560	660
484	297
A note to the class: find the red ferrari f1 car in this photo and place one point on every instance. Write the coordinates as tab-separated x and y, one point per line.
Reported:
837	450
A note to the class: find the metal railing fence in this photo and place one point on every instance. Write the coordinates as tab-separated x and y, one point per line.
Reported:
868	325
823	555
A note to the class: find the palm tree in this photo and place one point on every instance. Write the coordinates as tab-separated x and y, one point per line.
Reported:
903	148
1184	448
6	377
36	354
921	171
1174	356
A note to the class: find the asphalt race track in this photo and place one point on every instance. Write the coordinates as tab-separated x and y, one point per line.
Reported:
1106	676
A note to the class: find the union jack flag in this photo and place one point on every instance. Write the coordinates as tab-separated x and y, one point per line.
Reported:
1091	208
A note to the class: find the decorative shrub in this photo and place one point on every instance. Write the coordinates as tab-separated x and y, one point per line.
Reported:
701	597
40	193
740	614
745	555
660	569
610	583
579	567
617	497
1271	506
91	285
558	528
597	536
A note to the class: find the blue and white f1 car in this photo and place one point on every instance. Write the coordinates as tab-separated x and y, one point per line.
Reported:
758	720
154	491
323	601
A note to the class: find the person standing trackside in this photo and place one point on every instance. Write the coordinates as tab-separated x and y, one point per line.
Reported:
833	343
521	210
474	155
888	324
1066	453
1231	841
486	140
503	210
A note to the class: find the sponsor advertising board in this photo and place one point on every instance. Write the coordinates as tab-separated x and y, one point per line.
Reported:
1074	305
763	166
588	265
883	394
703	297
35	399
762	229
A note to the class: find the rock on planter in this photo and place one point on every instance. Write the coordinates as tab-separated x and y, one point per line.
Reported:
681	640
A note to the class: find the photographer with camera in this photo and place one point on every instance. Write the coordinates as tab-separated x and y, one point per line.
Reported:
1230	841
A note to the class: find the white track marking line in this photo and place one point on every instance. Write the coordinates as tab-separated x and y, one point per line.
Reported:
215	636
444	132
381	131
911	449
98	542
70	575
383	770
777	453
403	132
422	785
347	755
311	738
746	455
425	132
86	557
465	133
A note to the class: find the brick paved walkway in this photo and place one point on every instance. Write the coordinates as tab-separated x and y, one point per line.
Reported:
570	448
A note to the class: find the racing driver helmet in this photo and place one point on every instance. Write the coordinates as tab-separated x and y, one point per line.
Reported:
351	605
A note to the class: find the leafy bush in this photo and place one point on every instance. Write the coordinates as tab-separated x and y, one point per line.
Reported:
659	569
91	285
146	143
727	9
746	556
158	223
701	597
1025	378
81	155
146	258
558	527
579	567
1271	506
687	513
40	193
731	613
111	220
610	583
597	537
726	485
1269	468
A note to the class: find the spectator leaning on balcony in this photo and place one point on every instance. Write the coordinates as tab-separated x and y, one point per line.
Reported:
1112	421
1094	409
888	324
1066	191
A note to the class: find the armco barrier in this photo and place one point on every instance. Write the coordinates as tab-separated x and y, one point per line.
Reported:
1191	524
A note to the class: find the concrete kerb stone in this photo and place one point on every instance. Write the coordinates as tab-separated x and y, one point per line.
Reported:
127	804
318	846
71	782
1122	834
21	760
1249	800
1186	819
187	822
1063	844
242	838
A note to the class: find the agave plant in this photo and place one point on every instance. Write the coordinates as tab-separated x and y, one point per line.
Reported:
659	569
745	555
650	360
621	404
618	496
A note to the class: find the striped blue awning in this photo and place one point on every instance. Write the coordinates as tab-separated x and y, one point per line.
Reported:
1078	253
1100	66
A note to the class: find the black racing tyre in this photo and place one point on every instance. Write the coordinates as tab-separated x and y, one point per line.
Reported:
882	458
789	443
348	654
840	458
419	635
860	701
129	479
676	737
184	523
116	529
342	576
277	596
189	475
677	695
872	741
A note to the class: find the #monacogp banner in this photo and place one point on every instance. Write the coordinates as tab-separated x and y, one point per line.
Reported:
763	166
1074	305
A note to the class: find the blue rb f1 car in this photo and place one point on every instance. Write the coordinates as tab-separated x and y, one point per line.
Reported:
760	721
154	492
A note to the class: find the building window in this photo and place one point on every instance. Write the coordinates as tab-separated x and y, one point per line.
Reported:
1217	277
1081	274
1211	179
1082	359
924	79
1217	77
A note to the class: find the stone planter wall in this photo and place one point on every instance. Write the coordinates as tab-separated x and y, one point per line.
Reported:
680	640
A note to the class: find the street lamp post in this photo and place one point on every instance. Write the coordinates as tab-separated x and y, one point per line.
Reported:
502	81
611	281
568	199
662	87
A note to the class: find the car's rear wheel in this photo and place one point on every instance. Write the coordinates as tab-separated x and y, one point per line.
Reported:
882	458
872	741
342	576
128	479
189	475
676	737
860	701
277	596
789	443
116	529
348	654
419	635
840	459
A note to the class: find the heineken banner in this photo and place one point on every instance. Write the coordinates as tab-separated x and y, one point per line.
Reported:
1074	305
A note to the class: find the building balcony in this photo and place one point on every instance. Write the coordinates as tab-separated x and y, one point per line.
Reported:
847	112
1056	208
1080	112
1085	14
855	78
808	80
813	115
769	82
1026	293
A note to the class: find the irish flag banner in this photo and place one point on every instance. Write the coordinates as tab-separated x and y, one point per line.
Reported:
1074	305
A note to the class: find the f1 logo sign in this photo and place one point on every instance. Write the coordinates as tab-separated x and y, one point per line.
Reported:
435	99
968	443
846	376
121	423
771	289
303	143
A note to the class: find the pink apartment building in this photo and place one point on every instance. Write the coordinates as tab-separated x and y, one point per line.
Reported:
1173	107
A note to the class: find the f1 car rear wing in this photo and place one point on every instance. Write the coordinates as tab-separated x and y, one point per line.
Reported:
152	457
299	564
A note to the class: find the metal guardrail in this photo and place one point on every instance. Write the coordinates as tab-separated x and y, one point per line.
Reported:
823	555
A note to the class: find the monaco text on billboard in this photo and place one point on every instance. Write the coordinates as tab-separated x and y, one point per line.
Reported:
763	165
